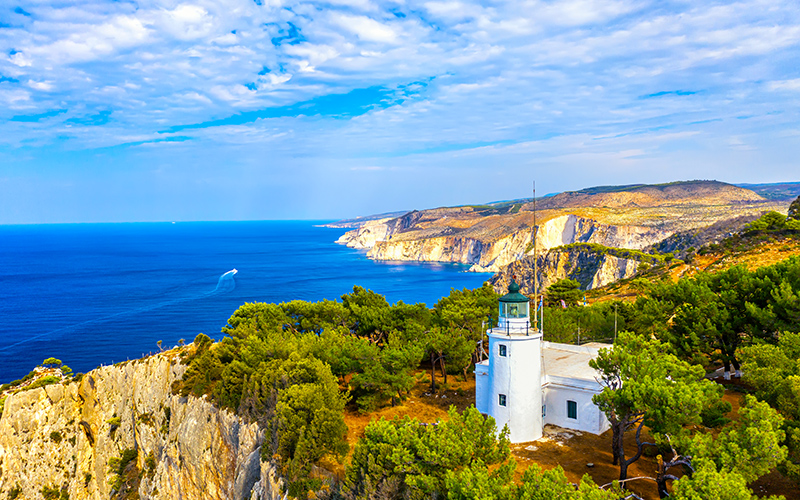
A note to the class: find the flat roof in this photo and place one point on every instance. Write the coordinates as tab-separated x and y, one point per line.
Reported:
571	361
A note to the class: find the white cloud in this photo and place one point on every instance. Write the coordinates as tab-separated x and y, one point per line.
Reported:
89	43
498	73
43	86
793	84
15	99
365	28
186	22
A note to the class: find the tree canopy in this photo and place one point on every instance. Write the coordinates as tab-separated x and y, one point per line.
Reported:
645	384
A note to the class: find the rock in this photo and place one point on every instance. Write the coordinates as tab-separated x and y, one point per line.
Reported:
490	237
201	453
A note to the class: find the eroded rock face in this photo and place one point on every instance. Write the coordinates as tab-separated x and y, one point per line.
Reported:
489	237
64	436
492	250
591	269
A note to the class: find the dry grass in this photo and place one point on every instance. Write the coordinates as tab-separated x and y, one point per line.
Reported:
421	404
571	450
762	255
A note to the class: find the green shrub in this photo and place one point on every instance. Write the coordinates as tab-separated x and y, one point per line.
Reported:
50	379
147	419
55	436
52	362
118	468
14	492
50	492
150	464
715	416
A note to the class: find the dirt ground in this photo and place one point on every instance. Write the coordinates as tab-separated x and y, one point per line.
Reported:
573	451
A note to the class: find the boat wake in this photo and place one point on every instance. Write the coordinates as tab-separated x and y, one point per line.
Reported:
225	284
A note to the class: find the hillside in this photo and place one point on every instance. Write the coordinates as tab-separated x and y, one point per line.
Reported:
489	237
754	251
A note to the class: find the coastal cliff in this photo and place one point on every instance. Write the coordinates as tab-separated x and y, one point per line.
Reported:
590	265
121	433
490	237
387	240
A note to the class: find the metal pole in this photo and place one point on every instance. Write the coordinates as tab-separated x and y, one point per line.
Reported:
535	257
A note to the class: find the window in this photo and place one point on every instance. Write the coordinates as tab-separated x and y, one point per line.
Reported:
572	410
502	399
514	310
503	350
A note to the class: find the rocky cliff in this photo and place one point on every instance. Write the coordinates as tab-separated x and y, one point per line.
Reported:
393	240
591	267
72	437
489	237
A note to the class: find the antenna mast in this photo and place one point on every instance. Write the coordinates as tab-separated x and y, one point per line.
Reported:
535	262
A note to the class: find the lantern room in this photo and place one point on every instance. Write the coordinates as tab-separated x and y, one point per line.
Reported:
514	309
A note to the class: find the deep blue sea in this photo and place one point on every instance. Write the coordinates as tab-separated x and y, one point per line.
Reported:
92	294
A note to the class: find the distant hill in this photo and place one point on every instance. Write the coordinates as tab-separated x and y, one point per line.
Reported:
785	191
491	236
696	192
360	221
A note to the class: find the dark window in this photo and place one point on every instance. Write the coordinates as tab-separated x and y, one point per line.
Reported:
572	409
502	399
503	350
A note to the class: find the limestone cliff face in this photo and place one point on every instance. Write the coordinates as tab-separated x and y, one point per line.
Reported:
489	237
391	240
366	235
64	436
590	268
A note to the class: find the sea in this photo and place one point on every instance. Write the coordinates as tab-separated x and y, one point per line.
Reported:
97	294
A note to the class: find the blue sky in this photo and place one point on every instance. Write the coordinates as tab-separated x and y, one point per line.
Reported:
242	109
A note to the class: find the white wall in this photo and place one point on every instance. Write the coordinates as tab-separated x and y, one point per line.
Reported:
518	375
482	386
590	418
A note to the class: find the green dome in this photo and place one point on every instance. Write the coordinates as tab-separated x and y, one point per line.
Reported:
513	294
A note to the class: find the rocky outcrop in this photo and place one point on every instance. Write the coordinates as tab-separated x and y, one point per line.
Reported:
590	267
65	436
395	240
365	236
671	217
685	242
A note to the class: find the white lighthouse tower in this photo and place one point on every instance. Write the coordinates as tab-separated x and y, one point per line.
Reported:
508	385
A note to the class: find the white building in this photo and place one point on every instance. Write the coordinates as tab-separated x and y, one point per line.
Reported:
526	382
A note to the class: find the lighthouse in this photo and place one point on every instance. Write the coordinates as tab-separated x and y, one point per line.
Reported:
508	385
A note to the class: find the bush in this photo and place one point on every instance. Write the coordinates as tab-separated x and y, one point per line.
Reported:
14	492
150	464
52	362
715	416
122	468
50	492
43	382
55	436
